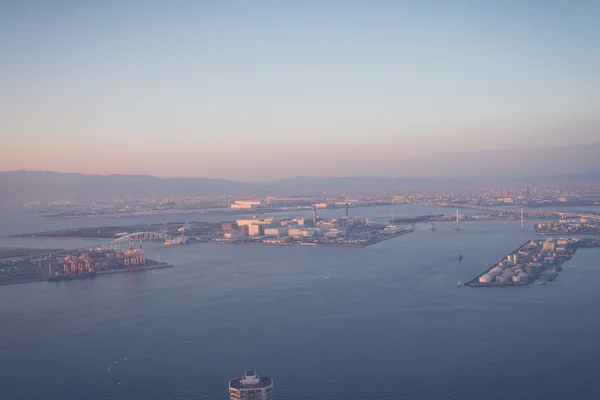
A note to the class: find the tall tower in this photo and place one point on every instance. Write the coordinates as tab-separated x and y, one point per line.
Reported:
347	209
314	212
251	387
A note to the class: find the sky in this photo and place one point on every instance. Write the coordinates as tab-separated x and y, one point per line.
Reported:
259	90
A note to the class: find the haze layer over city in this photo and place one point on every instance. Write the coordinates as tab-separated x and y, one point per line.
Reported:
268	90
299	200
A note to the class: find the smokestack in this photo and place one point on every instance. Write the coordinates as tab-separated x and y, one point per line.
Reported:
346	209
314	210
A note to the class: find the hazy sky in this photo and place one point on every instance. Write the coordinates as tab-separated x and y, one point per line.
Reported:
259	90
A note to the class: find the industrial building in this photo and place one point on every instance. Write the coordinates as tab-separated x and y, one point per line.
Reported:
548	245
334	233
259	221
277	232
229	226
302	232
251	387
247	204
255	230
232	235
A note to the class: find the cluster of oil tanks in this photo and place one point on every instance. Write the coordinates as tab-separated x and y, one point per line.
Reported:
504	274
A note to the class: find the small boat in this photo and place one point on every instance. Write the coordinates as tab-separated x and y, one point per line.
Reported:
458	284
542	283
459	257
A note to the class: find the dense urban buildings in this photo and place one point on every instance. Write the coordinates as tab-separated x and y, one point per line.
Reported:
251	386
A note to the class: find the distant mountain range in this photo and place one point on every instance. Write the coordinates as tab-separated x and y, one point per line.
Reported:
47	185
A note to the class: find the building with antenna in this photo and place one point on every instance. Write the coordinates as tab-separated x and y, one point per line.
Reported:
251	387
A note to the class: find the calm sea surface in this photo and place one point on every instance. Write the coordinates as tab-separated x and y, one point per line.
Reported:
382	322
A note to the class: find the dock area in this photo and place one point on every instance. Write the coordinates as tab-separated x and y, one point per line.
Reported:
531	262
137	269
24	265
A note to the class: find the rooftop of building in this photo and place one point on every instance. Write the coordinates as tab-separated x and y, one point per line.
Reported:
250	381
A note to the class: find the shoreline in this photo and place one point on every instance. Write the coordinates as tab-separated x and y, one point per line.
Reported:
566	234
226	211
475	281
369	243
310	244
133	270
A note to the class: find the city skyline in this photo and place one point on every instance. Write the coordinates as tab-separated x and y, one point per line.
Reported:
264	91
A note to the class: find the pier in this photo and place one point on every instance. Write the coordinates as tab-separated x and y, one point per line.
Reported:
138	269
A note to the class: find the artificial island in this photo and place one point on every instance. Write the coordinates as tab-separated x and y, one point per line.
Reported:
534	261
285	231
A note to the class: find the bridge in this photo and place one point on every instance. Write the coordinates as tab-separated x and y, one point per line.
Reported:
142	236
532	213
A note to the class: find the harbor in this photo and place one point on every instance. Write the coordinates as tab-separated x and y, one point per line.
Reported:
538	261
35	265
